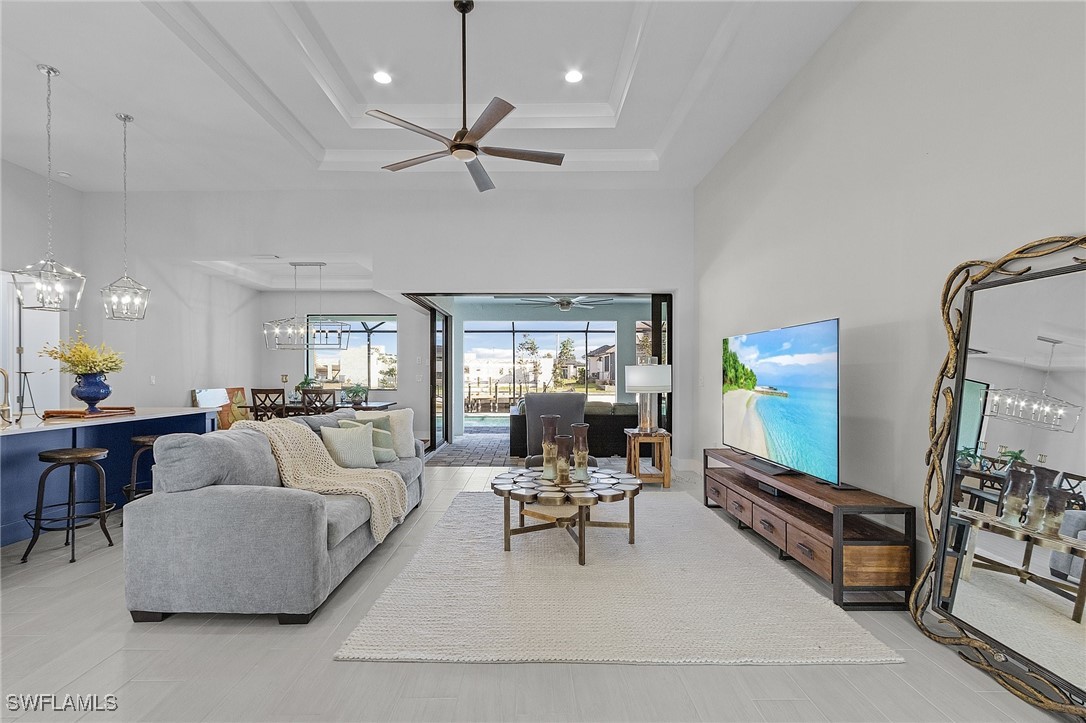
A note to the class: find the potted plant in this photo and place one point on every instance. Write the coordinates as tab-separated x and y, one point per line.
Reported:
1014	457
89	364
967	457
307	382
357	393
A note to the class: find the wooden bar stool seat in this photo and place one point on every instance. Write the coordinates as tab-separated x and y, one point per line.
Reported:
71	519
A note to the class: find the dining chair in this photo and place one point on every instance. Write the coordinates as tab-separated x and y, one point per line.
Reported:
269	404
319	401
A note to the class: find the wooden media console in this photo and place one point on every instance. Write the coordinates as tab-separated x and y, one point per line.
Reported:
821	527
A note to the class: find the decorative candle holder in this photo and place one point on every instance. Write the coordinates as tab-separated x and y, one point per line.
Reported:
580	452
550	447
1035	512
1016	490
1057	505
565	446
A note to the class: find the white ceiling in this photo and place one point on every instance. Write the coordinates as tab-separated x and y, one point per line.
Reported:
262	95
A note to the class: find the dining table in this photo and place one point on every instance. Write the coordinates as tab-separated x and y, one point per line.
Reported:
295	409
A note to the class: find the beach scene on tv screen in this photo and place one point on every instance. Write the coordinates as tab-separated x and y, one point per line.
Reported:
780	396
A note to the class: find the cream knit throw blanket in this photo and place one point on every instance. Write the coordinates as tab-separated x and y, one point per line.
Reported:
304	463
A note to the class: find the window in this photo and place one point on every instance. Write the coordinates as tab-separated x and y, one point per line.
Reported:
369	359
504	360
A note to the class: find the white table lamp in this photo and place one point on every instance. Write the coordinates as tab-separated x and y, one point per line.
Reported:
647	380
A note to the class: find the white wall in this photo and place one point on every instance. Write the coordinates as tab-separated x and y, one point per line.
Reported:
921	135
199	330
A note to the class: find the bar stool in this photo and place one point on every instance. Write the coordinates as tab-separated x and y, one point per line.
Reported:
133	490
71	458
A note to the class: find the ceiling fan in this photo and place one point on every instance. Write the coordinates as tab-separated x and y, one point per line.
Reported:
464	145
567	303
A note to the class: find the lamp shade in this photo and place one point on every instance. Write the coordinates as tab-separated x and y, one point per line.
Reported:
648	378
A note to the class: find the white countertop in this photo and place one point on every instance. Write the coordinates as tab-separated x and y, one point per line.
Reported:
30	423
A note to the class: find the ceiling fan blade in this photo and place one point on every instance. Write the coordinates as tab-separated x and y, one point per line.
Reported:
381	115
583	306
492	115
555	159
416	161
479	175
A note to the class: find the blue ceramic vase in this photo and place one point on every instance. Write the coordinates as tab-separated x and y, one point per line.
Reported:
91	389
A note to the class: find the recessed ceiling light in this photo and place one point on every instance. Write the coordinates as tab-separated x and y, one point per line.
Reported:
63	174
574	76
382	77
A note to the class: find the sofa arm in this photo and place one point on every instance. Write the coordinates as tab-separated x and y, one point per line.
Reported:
227	548
420	452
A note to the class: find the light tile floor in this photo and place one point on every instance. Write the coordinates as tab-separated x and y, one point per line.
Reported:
64	629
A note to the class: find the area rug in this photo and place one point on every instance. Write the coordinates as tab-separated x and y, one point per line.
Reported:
692	590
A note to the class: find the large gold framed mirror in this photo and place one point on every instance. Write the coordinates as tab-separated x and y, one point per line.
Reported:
1006	464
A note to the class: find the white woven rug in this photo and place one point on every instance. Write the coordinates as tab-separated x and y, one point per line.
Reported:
691	590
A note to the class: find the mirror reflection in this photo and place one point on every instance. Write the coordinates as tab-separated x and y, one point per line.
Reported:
1013	565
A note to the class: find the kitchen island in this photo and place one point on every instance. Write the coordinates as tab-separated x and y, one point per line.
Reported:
21	442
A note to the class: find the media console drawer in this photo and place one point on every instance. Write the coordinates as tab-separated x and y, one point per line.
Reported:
811	553
716	492
739	507
769	526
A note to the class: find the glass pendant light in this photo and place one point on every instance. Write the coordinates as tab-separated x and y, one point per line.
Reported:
307	332
48	285
125	299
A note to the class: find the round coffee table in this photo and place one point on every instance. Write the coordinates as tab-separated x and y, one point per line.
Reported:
563	506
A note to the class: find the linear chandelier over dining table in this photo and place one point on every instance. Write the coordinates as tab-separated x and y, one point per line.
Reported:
301	333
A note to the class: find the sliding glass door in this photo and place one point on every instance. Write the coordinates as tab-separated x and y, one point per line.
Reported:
440	429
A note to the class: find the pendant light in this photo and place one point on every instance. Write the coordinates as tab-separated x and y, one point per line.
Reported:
1031	407
48	285
313	332
125	299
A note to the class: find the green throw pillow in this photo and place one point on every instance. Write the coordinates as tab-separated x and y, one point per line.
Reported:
382	440
350	447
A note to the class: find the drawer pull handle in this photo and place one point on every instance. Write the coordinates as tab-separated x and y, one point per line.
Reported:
737	505
807	552
766	525
714	492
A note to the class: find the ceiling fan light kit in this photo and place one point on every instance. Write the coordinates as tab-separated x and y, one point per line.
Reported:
464	145
567	303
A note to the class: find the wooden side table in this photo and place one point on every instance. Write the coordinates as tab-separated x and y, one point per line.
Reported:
661	455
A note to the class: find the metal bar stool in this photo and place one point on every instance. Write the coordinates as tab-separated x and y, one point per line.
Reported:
70	458
136	489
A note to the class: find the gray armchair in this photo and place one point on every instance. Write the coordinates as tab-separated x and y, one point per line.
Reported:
568	405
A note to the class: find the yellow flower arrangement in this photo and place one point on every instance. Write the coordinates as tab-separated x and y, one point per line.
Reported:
78	357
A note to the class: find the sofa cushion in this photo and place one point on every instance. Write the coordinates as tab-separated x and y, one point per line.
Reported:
316	421
346	513
596	407
403	428
350	447
408	467
625	408
382	438
227	457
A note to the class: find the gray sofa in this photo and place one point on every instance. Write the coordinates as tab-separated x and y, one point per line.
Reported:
1061	564
221	534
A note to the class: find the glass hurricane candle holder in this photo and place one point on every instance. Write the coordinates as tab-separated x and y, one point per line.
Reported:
1016	490
550	447
580	452
1057	505
565	446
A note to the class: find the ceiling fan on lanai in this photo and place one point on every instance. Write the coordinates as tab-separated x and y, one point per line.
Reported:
566	303
464	145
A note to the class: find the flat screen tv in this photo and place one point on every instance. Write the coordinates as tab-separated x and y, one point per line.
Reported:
780	400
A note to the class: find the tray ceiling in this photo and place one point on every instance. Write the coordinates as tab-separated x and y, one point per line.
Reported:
262	95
